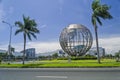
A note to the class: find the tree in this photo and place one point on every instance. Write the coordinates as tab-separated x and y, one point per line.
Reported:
110	56
3	55
28	28
12	50
99	11
55	55
117	55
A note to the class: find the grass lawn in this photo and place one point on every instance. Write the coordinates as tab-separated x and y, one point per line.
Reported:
64	63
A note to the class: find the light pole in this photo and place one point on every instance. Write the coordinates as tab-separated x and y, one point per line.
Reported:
9	46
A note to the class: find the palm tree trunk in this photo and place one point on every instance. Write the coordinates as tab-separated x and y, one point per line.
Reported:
24	48
97	45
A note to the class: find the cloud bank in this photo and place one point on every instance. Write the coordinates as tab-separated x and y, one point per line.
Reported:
111	45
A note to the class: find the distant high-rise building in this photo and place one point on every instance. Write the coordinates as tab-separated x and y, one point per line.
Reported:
30	53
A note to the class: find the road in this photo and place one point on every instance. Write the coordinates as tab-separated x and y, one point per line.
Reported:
60	74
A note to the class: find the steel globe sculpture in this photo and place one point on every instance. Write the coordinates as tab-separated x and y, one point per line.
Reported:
76	40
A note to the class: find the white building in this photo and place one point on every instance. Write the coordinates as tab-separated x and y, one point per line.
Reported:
3	51
93	51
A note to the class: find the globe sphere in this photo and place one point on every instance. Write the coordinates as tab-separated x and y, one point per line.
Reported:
76	40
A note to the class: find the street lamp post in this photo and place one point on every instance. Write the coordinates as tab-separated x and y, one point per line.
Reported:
9	46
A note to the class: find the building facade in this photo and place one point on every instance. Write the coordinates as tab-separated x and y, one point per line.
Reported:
30	53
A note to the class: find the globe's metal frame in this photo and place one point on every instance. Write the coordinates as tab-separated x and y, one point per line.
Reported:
76	40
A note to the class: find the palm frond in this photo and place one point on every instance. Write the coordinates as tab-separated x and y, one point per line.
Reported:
29	37
19	24
29	27
93	20
18	31
100	11
33	35
35	30
103	12
95	4
26	20
98	20
33	23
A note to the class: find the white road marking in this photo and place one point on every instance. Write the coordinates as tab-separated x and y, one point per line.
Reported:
63	77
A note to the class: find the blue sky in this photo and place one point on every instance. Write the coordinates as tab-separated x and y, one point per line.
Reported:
54	15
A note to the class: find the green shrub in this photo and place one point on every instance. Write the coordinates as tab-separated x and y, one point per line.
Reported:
78	58
62	58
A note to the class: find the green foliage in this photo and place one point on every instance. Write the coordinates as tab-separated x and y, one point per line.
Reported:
28	28
62	58
12	49
3	56
86	57
99	11
117	54
55	55
45	57
109	56
89	56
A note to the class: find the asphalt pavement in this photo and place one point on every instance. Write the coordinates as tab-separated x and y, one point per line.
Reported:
60	74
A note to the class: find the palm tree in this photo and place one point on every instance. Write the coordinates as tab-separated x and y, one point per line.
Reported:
28	28
99	11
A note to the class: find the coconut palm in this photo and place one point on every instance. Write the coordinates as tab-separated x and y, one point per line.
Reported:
99	11
28	28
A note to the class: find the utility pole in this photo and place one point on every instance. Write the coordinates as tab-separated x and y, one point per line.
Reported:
9	46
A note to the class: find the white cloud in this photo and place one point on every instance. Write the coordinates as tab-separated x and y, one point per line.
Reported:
111	45
44	46
40	47
3	47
